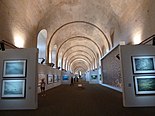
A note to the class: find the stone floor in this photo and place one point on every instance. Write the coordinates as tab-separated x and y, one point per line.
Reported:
88	100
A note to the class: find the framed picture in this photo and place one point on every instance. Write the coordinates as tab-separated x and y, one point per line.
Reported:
55	78
65	77
143	64
13	88
14	68
93	77
58	77
49	78
144	85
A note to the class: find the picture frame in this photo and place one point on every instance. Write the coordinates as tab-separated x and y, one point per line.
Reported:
58	77
65	77
14	88
14	68
143	64
49	78
144	85
93	77
55	78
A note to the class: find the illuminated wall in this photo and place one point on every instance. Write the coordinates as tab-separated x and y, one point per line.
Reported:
138	86
29	100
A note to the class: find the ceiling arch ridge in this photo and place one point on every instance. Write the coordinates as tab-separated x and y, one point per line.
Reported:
80	46
72	22
75	37
81	50
79	55
79	58
82	61
78	63
79	67
78	51
78	21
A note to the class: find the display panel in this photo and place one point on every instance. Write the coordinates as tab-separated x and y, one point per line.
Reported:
143	64
58	77
14	68
49	78
93	76
13	88
144	85
65	77
55	78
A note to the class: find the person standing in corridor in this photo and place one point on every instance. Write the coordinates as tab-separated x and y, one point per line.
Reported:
42	87
72	83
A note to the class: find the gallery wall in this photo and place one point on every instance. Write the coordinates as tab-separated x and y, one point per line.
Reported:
18	87
51	76
66	77
138	72
94	76
110	69
87	76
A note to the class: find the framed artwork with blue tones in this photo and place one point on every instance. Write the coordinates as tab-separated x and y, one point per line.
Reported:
14	68
14	88
144	85
143	64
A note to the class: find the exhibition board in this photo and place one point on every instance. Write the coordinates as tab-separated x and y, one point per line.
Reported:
94	76
66	77
51	76
110	68
18	88
138	72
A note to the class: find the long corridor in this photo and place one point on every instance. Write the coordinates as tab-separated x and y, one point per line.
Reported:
91	100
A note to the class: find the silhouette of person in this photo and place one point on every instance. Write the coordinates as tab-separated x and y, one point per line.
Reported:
42	87
71	81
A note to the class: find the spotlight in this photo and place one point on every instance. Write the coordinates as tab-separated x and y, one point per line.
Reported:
59	68
153	41
52	64
43	60
2	47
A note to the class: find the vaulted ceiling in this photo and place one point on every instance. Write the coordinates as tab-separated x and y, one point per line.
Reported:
82	30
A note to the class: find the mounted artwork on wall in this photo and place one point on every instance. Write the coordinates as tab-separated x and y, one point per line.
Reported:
144	85
65	77
13	88
93	76
143	64
49	78
14	68
55	78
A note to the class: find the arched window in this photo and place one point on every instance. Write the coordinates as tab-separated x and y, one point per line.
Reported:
41	45
60	60
53	57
